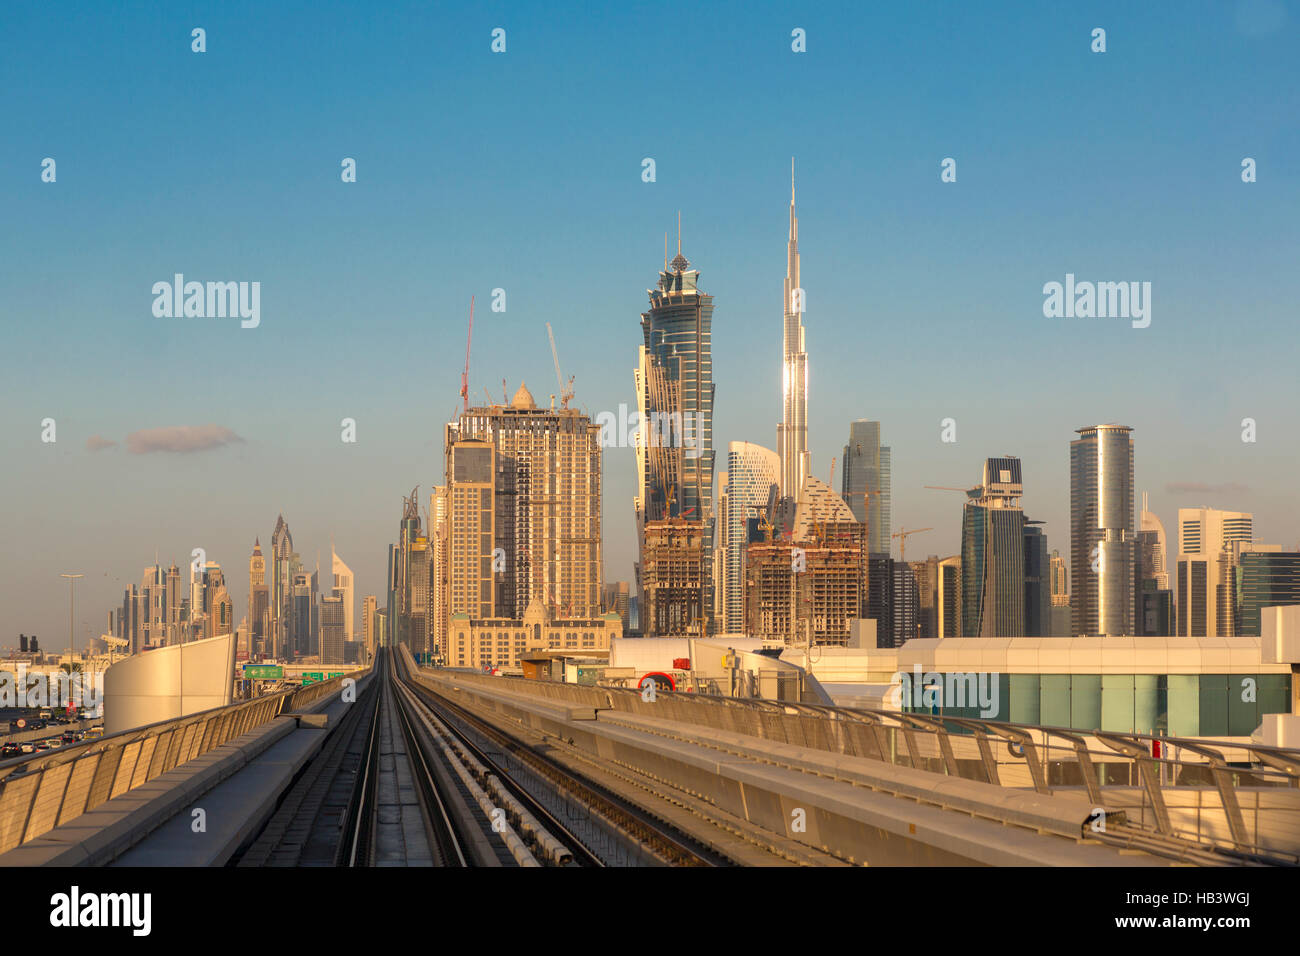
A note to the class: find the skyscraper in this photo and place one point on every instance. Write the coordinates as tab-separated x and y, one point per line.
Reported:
1060	588
1038	617
369	608
866	473
524	529
1263	576
1155	601
752	470
281	587
345	586
949	598
331	628
1103	535
792	433
1153	548
674	383
259	602
993	554
440	557
1204	599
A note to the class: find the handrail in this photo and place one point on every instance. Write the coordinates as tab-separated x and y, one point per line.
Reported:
45	791
1137	790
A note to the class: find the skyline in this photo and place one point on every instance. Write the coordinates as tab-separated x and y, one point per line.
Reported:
363	293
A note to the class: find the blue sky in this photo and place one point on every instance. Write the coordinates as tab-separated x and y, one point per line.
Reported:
522	171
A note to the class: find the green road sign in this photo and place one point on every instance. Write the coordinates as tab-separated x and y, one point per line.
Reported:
263	672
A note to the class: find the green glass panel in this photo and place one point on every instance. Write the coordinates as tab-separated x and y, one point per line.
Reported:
1214	705
1148	706
1023	698
1243	714
1184	705
1054	700
1116	702
1085	701
1274	693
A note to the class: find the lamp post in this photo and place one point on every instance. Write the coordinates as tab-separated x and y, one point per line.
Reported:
72	596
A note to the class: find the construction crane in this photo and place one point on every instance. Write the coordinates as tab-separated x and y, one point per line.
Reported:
831	483
902	534
764	522
969	492
464	376
566	394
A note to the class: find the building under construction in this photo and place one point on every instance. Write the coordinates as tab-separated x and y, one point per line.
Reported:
809	591
674	576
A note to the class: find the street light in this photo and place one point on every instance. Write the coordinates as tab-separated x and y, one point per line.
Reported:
72	589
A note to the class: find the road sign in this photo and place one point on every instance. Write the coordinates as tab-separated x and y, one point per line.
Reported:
311	677
263	672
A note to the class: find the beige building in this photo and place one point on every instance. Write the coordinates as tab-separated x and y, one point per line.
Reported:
1203	590
502	642
369	605
522	532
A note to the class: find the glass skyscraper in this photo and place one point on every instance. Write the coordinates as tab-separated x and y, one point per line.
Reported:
1103	534
1263	579
674	383
867	468
993	554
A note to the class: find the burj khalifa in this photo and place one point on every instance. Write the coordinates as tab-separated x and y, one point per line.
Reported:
792	433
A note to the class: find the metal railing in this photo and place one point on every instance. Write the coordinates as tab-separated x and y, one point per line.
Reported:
1191	793
48	790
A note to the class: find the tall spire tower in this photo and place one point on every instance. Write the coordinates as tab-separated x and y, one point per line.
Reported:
792	433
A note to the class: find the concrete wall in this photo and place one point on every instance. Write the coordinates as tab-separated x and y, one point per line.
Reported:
169	682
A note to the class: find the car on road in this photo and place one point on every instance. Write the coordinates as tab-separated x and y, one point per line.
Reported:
28	747
42	745
10	749
69	737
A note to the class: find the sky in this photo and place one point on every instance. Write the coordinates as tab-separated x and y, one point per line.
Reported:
522	171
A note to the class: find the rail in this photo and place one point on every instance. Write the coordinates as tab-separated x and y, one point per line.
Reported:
42	792
1181	791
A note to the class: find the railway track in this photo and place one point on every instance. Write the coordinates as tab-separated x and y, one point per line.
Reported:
527	772
406	777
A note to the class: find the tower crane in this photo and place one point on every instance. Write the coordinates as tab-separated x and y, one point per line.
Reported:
764	522
902	533
969	492
566	394
464	376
